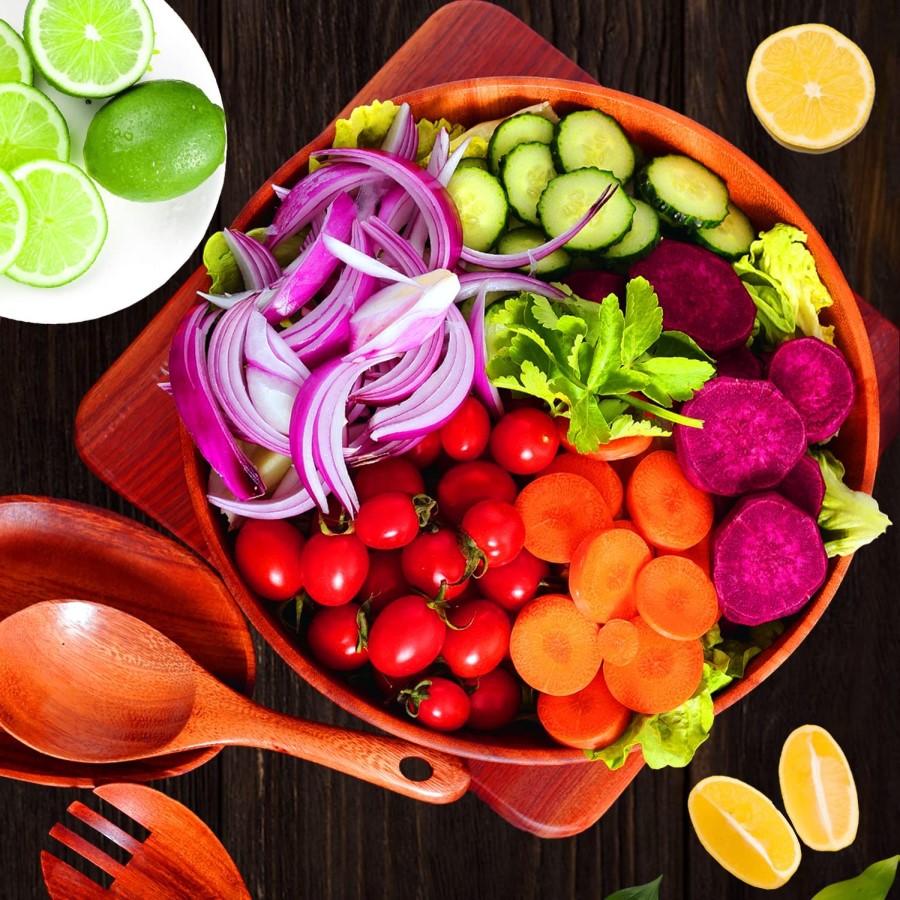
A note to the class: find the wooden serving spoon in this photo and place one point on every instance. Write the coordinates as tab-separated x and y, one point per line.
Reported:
90	683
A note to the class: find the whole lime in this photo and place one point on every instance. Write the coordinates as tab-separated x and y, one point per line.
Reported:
155	141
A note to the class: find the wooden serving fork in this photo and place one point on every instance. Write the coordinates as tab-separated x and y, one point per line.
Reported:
181	858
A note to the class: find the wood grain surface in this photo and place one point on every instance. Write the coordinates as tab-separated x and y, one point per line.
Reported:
293	829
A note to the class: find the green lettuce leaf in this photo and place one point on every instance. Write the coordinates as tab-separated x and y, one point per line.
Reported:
848	519
873	883
223	270
728	658
649	891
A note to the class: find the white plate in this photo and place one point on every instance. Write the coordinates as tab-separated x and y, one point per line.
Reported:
147	242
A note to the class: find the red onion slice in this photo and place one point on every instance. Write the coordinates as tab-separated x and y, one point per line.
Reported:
481	384
257	266
290	499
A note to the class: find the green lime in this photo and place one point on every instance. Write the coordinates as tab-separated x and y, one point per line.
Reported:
15	63
157	140
66	223
31	127
90	48
13	220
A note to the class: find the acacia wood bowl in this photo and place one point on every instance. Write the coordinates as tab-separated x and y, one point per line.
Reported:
657	130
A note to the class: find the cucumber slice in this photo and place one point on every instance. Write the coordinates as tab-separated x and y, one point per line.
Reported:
521	239
731	238
519	129
685	190
639	240
525	171
478	162
590	138
482	205
570	195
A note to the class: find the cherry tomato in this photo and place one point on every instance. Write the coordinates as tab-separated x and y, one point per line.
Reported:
434	559
387	521
464	485
406	637
465	435
385	580
479	640
334	567
333	637
514	584
495	701
392	474
497	530
524	441
268	556
442	705
426	452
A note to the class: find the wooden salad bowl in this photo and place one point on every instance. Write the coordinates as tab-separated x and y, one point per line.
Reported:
656	129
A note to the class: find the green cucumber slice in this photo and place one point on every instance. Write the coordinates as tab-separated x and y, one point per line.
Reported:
685	190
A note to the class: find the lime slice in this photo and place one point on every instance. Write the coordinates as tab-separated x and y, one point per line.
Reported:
31	127
90	48
15	63
66	223
13	221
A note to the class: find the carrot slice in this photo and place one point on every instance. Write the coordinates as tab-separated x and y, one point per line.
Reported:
675	597
559	512
553	647
618	642
620	448
700	553
601	577
663	674
588	719
669	511
628	525
598	472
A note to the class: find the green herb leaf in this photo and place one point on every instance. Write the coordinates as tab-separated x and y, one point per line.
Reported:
673	377
608	353
643	320
872	884
649	891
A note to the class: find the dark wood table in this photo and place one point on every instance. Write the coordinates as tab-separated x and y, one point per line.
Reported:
295	830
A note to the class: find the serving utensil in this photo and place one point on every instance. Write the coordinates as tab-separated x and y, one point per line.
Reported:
181	857
87	682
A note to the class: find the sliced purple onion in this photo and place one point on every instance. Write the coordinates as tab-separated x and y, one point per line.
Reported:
439	153
363	261
397	248
508	282
272	397
226	301
452	163
257	266
266	349
289	499
403	137
481	384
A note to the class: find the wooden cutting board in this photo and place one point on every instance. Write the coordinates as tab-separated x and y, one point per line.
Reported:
127	430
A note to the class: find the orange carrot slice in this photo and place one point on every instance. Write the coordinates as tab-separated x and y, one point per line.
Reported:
700	553
601	577
663	674
618	642
553	647
620	448
665	506
588	719
675	597
598	472
559	512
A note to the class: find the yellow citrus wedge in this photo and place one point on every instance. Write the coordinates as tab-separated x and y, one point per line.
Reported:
818	789
743	831
810	87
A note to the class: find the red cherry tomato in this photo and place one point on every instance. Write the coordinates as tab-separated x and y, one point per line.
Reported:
268	556
392	474
406	637
464	485
432	560
385	580
444	705
465	435
514	584
524	441
426	452
334	567
480	639
497	530
387	521
333	637
495	701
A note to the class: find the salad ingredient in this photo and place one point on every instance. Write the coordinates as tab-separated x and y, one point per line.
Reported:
668	510
406	637
335	637
495	700
874	883
618	448
334	567
462	486
31	126
700	553
388	475
619	642
521	240
433	562
596	284
525	171
818	790
588	138
90	50
731	238
597	471
155	141
768	559
426	452
13	221
268	556
700	295
752	436
804	486
675	597
478	639
639	241
648	891
739	363
438	703
810	87
743	831
559	512
815	377
66	223
483	208
465	435
512	585
384	580
522	128
497	530
553	646
684	190
588	719
601	576
663	674
524	441
387	521
15	60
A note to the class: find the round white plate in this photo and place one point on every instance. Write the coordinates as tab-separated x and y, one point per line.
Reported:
147	242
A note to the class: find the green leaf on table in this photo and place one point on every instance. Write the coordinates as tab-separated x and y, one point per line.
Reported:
872	884
649	891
